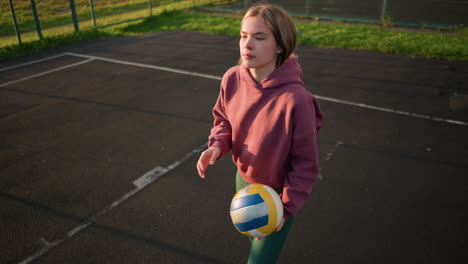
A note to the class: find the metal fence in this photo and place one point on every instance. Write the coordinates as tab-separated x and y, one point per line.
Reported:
415	13
35	19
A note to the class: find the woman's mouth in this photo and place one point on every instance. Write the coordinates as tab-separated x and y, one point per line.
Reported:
247	56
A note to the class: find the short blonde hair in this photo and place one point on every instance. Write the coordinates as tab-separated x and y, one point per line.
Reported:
282	26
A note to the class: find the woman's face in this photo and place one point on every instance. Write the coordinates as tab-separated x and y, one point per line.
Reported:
257	45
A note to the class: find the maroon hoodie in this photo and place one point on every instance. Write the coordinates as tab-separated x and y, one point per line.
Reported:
271	128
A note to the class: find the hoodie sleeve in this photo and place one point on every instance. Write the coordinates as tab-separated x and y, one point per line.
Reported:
221	133
304	165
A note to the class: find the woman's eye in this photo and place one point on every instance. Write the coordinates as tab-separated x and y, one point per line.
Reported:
260	38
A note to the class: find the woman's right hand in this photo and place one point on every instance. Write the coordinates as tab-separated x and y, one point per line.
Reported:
208	157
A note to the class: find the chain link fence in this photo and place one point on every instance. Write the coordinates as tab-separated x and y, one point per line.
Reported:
34	19
416	13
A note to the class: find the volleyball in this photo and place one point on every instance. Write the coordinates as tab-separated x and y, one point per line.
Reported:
256	210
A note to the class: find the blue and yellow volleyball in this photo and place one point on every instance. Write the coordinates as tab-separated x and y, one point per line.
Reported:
256	210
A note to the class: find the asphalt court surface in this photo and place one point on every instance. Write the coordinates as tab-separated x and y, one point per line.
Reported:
83	130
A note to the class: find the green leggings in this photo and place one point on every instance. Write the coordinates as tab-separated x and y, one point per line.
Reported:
268	249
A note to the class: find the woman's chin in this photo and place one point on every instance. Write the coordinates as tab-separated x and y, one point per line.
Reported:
248	64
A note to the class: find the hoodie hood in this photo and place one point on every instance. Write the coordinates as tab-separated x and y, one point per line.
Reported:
288	73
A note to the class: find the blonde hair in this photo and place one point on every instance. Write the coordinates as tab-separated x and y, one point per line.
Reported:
282	26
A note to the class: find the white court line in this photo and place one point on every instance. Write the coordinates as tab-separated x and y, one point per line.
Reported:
208	76
333	150
157	172
324	98
44	73
389	110
213	77
148	177
140	184
32	62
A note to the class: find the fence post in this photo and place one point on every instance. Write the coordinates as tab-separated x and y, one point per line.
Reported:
150	6
13	15
91	4
308	8
246	4
75	18
384	10
36	19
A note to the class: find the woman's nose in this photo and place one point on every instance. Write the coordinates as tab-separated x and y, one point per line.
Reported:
248	43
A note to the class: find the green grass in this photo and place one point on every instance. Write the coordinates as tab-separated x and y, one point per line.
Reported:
54	13
50	42
187	21
103	19
441	45
424	44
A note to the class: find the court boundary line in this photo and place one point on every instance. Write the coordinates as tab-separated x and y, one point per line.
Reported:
32	62
44	73
140	183
393	111
143	65
323	98
157	172
213	77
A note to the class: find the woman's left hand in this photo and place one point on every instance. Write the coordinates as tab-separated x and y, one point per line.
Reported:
280	226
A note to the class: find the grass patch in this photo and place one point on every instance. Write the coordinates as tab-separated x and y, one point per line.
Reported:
424	44
51	42
187	21
31	40
53	13
451	46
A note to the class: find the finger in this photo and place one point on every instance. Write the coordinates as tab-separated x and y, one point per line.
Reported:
214	156
212	160
202	159
280	226
201	171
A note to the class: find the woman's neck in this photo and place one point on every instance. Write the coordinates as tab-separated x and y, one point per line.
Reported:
258	74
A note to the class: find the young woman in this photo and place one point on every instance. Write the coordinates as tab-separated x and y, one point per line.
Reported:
268	119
